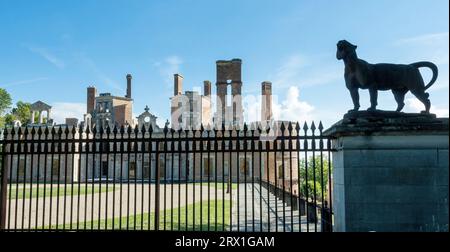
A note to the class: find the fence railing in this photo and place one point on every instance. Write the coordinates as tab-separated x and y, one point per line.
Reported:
268	179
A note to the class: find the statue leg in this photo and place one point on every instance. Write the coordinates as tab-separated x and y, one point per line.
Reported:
423	97
355	98
373	99
399	95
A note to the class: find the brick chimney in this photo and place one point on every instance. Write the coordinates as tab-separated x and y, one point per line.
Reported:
128	86
91	94
178	84
207	88
266	106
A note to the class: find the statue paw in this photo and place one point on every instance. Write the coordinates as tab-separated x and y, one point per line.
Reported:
371	109
424	112
353	110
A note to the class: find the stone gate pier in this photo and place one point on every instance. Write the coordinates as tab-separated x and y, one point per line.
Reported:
390	172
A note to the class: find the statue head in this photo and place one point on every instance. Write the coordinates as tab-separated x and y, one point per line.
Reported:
344	48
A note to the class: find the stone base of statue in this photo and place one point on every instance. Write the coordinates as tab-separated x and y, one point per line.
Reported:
390	172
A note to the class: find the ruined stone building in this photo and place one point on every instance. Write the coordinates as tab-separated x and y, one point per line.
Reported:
108	110
191	109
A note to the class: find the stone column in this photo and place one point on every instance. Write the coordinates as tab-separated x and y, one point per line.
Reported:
40	117
32	116
48	114
390	172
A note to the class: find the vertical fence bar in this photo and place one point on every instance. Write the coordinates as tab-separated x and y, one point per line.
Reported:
58	183
165	173
172	151
216	171
4	180
245	176
222	149
305	129
142	175
102	143
66	152
31	177
150	153
291	194
268	177
186	156
80	149
106	146
299	194
252	149
179	178
194	148
135	147
40	151
260	151
201	176
283	173
313	146
25	153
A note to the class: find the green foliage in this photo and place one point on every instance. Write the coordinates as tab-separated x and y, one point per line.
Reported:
313	176
5	103
21	112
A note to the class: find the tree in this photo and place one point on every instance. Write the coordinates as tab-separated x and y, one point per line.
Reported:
5	103
318	169
22	112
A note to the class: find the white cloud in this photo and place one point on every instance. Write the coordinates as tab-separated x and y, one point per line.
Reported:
290	109
168	67
50	57
415	106
293	109
62	110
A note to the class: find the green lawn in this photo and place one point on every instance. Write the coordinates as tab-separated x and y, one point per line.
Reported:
147	221
53	192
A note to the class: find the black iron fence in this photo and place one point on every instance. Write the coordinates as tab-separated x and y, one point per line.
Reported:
273	178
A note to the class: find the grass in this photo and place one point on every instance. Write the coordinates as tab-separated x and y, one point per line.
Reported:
18	193
146	221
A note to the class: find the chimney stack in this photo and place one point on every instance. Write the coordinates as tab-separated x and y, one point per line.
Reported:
91	94
207	88
178	84
128	86
266	106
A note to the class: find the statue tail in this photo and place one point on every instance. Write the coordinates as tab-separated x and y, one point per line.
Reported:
433	68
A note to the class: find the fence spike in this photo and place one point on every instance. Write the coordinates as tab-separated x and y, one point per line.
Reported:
320	126
150	129
305	127
313	126
115	130
282	127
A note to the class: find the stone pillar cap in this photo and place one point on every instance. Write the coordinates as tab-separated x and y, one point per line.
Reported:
388	123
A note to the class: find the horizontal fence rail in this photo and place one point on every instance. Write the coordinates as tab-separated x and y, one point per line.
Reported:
273	178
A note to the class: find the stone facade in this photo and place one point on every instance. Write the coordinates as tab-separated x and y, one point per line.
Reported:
108	110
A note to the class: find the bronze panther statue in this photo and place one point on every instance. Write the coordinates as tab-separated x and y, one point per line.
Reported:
398	78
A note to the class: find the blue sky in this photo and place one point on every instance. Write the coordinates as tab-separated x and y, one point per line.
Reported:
52	50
